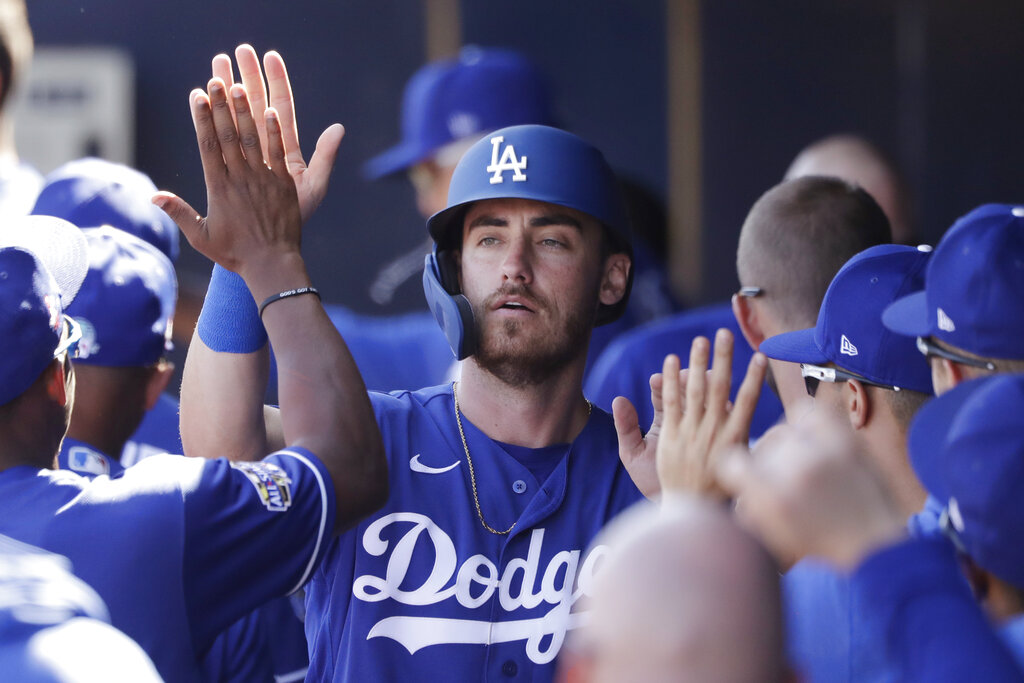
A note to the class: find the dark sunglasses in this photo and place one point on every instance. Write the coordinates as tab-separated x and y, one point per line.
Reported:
815	374
928	348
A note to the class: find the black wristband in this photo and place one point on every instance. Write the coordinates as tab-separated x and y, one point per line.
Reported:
287	293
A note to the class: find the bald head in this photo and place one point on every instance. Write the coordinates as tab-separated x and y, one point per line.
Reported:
856	160
684	596
796	238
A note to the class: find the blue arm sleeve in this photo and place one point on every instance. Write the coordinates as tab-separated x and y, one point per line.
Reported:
917	599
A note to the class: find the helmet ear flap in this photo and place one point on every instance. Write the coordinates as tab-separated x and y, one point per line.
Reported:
451	309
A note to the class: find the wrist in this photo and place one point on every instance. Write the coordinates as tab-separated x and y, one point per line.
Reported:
273	273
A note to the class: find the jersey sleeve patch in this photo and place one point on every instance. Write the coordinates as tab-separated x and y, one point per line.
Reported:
271	483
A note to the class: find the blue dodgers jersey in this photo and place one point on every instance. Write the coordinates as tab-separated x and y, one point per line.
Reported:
626	365
421	591
52	624
179	548
828	638
244	652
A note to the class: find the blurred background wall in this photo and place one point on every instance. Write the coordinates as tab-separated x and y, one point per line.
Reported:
705	103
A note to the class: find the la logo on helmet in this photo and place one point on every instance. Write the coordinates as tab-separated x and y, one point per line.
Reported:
508	162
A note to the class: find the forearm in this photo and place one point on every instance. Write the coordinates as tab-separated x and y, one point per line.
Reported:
222	412
324	404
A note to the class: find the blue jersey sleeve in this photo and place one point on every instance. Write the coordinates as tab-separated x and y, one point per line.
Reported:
919	601
253	531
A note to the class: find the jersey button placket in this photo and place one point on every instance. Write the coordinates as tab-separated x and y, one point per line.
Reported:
519	486
510	668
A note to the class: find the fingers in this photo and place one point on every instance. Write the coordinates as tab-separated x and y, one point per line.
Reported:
224	123
186	218
248	134
206	137
696	382
322	162
221	68
670	391
720	380
627	427
742	412
275	144
255	88
282	100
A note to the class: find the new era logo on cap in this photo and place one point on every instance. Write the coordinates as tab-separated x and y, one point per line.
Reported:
945	322
846	347
508	162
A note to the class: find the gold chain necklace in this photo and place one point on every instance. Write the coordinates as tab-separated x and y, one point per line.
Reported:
469	461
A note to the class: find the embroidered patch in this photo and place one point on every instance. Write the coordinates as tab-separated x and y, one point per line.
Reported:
271	482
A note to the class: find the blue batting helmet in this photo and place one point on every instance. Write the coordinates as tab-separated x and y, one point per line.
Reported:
521	162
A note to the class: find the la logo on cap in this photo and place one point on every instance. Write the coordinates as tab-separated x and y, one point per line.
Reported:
846	346
945	322
508	162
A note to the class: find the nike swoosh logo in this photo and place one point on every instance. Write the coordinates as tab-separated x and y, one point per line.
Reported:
416	466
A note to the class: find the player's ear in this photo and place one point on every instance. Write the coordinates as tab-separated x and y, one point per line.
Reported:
857	404
159	378
55	381
615	278
746	318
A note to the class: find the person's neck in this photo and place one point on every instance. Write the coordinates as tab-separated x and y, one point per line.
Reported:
886	445
791	390
536	415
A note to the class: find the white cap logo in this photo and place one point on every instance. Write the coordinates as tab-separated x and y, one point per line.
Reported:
846	347
508	162
87	346
945	322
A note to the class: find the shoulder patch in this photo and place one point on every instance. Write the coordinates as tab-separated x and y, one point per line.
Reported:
82	459
271	482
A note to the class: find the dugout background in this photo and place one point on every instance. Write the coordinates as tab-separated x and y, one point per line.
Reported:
704	102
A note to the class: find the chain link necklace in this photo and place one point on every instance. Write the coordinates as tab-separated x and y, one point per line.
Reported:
469	461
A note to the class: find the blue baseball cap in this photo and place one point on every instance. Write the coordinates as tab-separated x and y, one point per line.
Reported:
972	298
967	448
849	331
481	90
43	262
126	303
92	192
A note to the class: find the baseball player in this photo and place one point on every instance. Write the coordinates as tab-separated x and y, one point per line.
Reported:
474	568
91	192
124	309
180	547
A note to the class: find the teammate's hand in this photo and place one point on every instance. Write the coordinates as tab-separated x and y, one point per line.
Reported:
252	208
807	491
698	421
310	181
637	451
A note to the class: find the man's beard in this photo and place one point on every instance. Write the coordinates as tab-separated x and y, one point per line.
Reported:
505	351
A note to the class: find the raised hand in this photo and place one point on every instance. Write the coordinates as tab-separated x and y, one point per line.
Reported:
807	491
698	422
252	206
310	181
636	450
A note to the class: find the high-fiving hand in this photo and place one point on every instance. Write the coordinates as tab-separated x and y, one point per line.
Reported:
698	422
